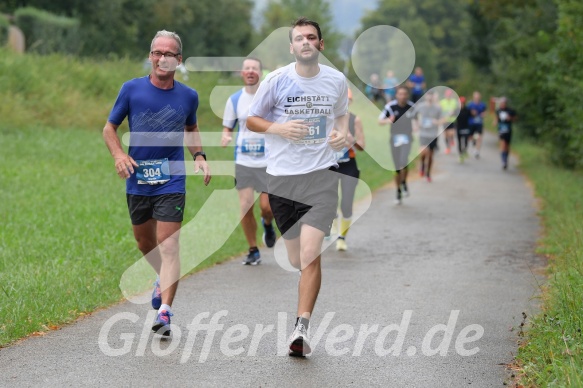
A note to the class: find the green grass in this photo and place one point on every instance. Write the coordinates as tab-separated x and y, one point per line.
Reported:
66	237
552	354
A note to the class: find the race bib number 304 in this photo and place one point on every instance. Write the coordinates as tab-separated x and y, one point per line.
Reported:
316	131
153	172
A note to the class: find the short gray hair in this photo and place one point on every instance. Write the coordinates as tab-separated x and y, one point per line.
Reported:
168	34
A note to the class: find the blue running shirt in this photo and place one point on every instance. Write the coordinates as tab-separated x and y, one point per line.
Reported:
156	118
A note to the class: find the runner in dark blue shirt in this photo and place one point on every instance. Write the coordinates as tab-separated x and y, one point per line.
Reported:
161	114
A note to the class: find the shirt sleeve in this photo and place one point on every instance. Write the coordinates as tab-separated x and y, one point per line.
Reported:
263	100
191	118
230	116
341	106
120	109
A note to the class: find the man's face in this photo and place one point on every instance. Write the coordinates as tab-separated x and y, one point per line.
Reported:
251	72
477	97
402	96
305	45
164	66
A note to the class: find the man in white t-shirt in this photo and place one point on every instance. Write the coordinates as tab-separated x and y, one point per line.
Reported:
250	161
303	110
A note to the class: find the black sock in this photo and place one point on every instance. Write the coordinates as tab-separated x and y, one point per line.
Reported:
253	249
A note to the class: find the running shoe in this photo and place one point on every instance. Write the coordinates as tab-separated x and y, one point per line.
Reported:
428	179
162	323
404	189
299	345
341	244
156	295
447	151
253	258
505	166
268	234
399	198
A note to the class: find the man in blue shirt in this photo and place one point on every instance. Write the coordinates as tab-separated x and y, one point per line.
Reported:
161	114
416	84
477	111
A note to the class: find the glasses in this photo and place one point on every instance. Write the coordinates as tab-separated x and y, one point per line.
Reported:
159	54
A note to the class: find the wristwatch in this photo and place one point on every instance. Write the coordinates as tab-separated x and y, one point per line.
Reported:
199	153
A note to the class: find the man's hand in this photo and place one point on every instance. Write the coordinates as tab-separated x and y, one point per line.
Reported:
336	140
124	165
226	138
200	164
293	129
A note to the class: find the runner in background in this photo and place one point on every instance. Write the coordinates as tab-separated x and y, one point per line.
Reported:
250	161
349	174
449	105
463	129
416	84
396	113
477	111
390	84
429	119
503	120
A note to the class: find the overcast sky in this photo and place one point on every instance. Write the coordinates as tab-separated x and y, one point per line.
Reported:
347	13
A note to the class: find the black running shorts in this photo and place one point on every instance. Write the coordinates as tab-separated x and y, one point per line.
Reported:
310	199
165	207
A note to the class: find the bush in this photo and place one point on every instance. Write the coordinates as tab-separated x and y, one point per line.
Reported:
47	33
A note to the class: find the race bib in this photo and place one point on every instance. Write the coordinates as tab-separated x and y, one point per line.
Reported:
316	131
253	147
153	172
503	128
478	119
343	155
399	140
427	122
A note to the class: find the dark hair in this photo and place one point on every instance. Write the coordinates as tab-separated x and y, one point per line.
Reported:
303	21
256	60
402	87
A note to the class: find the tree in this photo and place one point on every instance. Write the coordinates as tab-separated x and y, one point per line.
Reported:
281	13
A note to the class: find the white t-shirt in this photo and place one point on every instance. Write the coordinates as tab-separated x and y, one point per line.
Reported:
285	96
250	150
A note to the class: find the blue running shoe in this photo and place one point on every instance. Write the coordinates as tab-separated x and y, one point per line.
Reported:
162	323
269	236
253	258
156	296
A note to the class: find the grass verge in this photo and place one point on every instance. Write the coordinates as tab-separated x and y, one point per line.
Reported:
552	353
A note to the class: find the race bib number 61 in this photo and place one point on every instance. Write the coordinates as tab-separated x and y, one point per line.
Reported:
316	131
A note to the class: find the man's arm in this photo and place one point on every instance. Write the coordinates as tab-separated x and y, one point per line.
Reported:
124	164
293	129
194	145
227	136
338	135
358	134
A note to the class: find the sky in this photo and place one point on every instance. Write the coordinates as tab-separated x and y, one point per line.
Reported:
347	13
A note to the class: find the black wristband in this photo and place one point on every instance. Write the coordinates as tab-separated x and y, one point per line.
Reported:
199	153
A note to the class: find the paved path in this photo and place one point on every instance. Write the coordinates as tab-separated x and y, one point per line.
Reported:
463	243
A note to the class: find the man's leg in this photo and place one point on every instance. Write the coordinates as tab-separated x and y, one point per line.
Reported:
266	213
310	246
168	234
248	223
145	235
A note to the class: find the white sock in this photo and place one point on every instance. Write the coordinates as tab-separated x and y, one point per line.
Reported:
164	307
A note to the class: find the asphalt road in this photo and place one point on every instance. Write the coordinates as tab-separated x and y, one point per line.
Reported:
430	294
